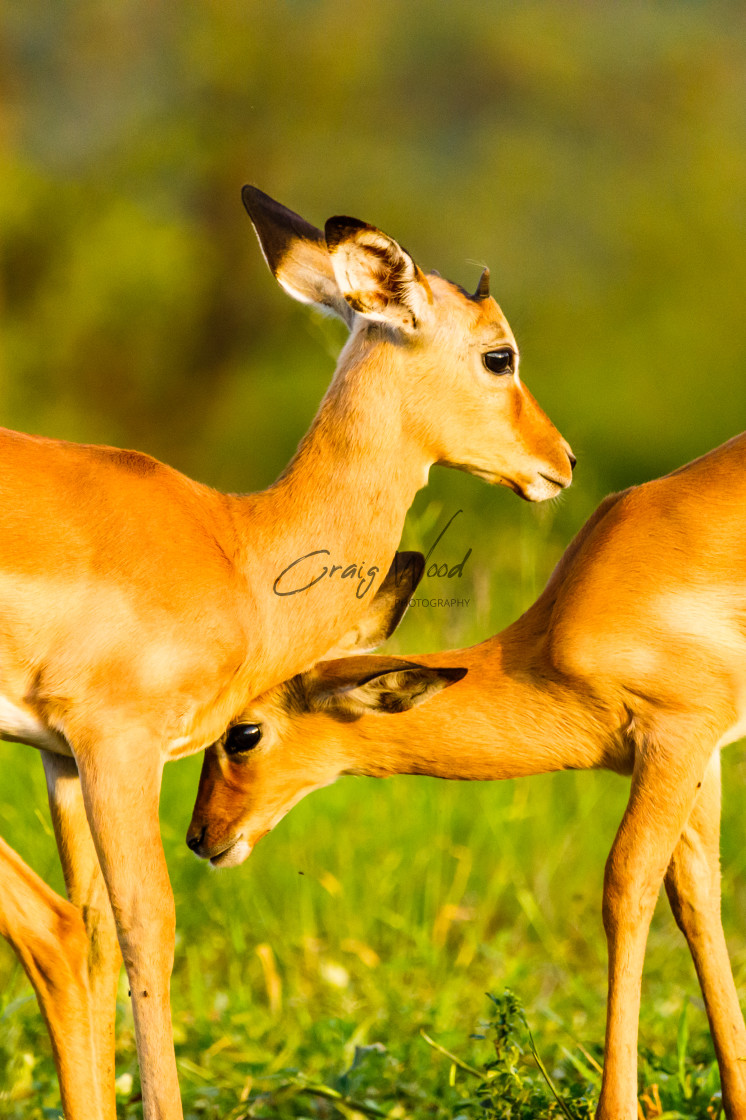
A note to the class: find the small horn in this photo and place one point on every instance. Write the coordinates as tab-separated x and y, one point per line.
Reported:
483	287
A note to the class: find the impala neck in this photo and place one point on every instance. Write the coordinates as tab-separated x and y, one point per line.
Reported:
340	505
506	719
355	470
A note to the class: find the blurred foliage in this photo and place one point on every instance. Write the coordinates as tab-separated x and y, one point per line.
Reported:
595	157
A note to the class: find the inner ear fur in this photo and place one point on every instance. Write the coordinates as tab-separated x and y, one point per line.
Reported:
352	686
387	607
377	277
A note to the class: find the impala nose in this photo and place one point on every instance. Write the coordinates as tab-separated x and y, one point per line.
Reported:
568	451
194	841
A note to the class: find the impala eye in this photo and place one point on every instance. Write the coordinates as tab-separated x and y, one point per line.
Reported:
500	361
242	738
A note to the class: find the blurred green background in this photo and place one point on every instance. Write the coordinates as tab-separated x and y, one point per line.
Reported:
594	156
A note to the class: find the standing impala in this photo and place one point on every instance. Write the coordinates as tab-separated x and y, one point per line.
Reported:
139	609
633	659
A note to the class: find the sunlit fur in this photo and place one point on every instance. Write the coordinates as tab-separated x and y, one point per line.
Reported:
137	613
633	659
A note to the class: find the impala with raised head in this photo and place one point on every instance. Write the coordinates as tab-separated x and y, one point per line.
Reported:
633	659
140	609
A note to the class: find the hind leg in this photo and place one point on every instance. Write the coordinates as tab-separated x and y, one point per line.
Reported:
664	788
50	940
693	888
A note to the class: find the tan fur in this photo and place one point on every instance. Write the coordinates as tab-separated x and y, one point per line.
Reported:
137	614
633	659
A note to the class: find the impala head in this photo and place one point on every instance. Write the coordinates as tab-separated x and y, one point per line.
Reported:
292	740
449	356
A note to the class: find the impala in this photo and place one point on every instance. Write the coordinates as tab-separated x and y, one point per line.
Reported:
633	659
139	609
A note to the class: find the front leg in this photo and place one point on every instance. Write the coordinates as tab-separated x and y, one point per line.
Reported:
86	889
693	887
664	785
121	787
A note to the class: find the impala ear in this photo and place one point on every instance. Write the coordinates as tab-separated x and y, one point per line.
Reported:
349	688
296	253
375	275
402	690
387	607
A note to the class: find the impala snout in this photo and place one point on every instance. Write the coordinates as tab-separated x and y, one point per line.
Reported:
195	837
542	478
237	851
222	851
204	845
551	478
216	830
550	455
526	452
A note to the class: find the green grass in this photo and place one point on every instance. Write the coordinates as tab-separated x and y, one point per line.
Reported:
379	913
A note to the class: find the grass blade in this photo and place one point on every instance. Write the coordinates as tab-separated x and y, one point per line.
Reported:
456	1061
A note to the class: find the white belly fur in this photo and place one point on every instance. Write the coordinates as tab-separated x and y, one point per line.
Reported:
734	733
19	725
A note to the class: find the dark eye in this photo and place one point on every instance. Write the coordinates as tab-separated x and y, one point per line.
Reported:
242	737
500	361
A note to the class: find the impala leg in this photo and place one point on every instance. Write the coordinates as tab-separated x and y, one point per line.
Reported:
662	794
121	790
693	887
49	937
86	889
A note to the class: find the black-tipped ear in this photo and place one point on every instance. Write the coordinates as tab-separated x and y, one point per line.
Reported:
353	686
387	607
398	692
483	287
376	276
296	253
394	594
277	227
